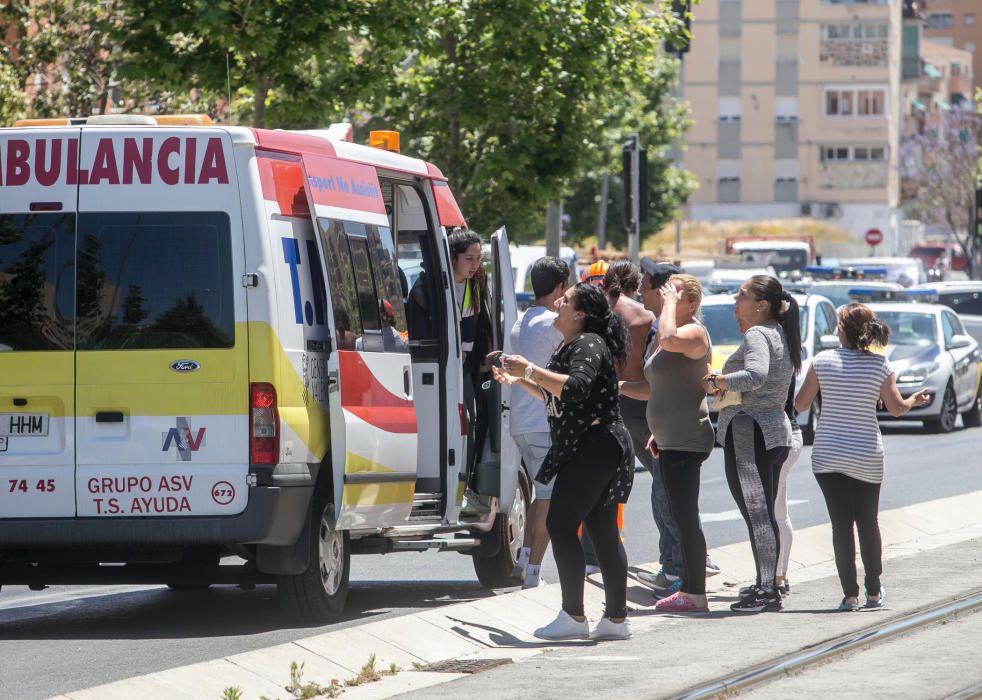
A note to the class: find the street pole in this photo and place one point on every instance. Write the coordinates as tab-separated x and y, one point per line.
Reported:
553	224
634	232
602	218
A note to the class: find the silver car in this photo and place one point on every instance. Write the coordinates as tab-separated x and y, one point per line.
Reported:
929	349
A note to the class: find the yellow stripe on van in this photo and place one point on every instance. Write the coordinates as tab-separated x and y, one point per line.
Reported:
356	464
377	494
44	378
269	363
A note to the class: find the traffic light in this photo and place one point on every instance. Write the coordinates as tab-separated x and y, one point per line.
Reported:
683	10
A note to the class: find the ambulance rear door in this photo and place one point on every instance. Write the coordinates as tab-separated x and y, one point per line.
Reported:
162	387
37	359
504	312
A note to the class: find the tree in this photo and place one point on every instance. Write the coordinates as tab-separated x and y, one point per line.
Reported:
661	121
296	63
516	101
12	102
942	166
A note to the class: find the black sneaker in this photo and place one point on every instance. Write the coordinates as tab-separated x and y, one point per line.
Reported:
759	601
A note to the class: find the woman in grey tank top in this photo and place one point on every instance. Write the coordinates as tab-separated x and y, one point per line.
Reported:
679	422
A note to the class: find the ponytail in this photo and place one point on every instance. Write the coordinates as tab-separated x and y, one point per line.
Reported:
790	319
862	328
599	319
784	310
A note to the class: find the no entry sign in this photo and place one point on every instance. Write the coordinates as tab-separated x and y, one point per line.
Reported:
874	237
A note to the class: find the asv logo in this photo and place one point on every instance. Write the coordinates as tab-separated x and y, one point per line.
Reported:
184	439
309	295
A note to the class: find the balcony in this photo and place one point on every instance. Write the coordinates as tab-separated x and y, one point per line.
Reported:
854	52
852	175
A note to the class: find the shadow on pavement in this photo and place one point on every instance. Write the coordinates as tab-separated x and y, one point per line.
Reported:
221	611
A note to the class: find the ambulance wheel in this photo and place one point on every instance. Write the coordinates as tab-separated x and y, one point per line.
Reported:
509	529
320	592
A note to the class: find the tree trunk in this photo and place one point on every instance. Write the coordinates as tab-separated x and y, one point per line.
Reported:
259	103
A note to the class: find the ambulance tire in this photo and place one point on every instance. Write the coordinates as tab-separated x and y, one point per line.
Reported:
509	529
319	593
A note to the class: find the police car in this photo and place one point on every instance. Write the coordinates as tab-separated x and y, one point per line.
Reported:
209	346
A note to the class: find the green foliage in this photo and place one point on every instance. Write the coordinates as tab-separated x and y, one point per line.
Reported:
289	63
370	674
517	101
232	693
12	101
303	691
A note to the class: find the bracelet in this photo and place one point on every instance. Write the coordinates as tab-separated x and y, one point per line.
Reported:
529	371
712	381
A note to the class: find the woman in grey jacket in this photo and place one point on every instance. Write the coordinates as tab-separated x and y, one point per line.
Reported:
756	433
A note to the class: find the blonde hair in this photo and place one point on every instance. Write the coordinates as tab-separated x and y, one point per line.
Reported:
691	289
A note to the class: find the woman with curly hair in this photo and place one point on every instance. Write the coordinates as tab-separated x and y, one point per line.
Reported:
591	455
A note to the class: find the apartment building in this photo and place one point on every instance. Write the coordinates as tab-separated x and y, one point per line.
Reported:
946	82
956	24
797	109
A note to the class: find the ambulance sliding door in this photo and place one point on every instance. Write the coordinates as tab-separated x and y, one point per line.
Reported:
162	376
37	361
373	418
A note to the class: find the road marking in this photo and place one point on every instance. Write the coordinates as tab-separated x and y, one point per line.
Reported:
734	514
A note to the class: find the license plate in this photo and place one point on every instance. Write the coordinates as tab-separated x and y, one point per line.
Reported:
23	424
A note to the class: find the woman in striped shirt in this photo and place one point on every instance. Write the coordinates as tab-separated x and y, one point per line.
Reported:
847	457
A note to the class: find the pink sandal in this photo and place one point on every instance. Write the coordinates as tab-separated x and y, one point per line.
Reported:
679	603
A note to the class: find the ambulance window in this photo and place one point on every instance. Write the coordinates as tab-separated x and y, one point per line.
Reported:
154	280
387	278
37	281
341	278
367	298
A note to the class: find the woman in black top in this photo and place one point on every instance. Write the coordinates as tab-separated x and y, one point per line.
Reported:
591	455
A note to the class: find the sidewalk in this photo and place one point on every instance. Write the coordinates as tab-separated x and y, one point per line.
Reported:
930	549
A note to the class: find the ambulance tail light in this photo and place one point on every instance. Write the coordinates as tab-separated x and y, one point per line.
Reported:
386	140
264	419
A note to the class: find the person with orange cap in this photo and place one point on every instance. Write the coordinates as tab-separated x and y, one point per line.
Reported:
595	273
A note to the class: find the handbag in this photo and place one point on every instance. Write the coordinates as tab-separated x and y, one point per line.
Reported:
730	398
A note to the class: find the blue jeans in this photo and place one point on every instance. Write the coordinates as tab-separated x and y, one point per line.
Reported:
669	548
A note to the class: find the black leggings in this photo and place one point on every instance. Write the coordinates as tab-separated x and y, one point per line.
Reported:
680	473
853	501
578	497
752	472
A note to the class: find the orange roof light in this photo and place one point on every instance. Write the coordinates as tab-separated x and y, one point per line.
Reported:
386	140
61	121
123	120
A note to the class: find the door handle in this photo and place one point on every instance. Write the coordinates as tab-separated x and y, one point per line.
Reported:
407	382
109	417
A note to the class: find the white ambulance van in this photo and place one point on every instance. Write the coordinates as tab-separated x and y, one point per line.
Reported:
208	348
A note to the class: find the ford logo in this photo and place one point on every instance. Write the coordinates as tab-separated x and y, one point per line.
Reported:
184	366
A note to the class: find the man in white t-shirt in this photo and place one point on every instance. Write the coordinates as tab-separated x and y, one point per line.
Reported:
535	338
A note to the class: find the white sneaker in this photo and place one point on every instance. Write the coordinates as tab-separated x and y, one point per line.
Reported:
591	569
608	629
529	582
564	627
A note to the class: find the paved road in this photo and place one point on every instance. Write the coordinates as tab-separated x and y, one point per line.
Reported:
71	637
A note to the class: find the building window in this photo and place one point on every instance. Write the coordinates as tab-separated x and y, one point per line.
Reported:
939	20
851	102
956	69
862	30
854	2
845	154
969	19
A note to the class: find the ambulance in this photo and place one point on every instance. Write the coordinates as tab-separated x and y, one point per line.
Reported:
213	368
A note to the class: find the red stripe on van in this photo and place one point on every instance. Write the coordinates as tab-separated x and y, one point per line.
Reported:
446	206
364	396
341	183
286	142
282	182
